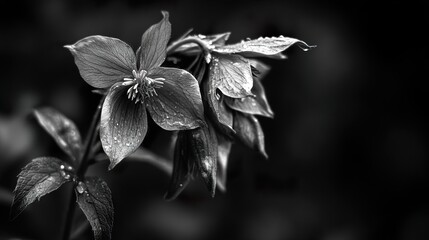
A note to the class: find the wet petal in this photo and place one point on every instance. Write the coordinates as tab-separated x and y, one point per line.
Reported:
183	167
268	46
224	148
203	151
154	44
217	110
252	105
103	61
177	105
123	125
249	132
231	74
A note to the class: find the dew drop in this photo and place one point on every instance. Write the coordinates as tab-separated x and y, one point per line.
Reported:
81	188
67	176
63	174
181	185
62	167
70	168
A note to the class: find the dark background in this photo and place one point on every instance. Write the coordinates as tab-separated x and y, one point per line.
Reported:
348	145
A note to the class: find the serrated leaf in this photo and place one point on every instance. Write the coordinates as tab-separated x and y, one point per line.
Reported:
95	200
41	176
62	129
249	131
231	74
267	46
183	167
203	151
224	148
253	105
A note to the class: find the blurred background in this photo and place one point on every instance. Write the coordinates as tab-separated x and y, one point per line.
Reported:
348	145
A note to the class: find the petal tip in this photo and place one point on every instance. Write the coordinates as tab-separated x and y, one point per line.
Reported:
165	14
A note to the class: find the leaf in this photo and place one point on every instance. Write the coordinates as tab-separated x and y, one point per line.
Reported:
177	104
123	125
231	74
249	132
154	44
183	167
203	151
224	148
41	176
95	200
253	105
103	61
267	46
62	129
218	112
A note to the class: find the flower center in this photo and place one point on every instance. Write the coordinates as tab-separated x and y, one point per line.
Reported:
142	86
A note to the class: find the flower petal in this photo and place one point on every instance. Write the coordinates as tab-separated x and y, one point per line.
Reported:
232	75
177	105
154	44
123	125
203	150
224	148
261	47
183	167
252	105
103	61
249	132
217	110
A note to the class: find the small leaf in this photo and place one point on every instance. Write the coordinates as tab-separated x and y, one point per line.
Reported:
261	47
103	61
177	104
203	151
183	167
253	105
38	178
218	112
231	74
95	200
62	129
249	131
154	44
123	125
224	148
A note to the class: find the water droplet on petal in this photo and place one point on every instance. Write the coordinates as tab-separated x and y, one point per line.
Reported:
62	167
81	187
67	176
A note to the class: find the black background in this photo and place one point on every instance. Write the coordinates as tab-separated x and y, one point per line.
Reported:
348	145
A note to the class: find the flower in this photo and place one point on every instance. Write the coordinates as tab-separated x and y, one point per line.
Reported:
234	94
136	84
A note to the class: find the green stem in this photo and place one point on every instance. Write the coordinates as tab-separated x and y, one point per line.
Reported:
83	165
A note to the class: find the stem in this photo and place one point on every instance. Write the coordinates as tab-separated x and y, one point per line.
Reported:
83	165
203	45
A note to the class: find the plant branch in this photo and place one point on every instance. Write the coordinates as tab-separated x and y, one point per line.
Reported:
83	164
203	45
